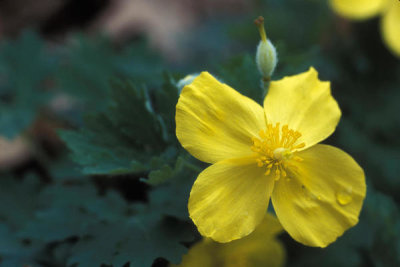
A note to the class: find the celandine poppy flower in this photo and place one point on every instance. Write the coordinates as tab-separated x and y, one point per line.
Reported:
260	248
260	153
365	9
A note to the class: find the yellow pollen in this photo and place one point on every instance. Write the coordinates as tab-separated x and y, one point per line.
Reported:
275	147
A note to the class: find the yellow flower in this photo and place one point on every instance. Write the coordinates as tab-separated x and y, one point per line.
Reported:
364	9
260	153
261	248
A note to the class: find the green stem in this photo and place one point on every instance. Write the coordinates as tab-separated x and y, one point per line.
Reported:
192	166
265	85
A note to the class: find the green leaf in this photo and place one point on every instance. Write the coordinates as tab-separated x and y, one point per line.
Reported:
165	99
18	200
24	67
116	231
15	252
138	240
64	214
126	138
160	176
86	75
171	195
8	243
383	217
380	161
57	224
241	73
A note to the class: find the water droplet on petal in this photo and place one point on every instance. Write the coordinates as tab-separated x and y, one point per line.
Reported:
344	197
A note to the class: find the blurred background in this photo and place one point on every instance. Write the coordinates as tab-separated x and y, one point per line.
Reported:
88	154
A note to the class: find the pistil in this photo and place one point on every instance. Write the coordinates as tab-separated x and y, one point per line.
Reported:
275	148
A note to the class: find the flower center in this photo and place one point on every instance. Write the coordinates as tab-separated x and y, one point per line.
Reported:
275	148
282	153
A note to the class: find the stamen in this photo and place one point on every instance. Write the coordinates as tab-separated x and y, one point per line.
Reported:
299	146
275	147
277	174
259	163
297	158
262	134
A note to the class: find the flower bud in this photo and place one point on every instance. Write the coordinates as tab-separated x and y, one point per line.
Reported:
266	56
188	79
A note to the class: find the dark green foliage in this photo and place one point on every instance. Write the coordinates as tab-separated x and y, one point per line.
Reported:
165	100
92	211
114	142
25	68
175	182
68	223
17	201
242	74
90	65
108	229
32	74
382	217
16	252
138	240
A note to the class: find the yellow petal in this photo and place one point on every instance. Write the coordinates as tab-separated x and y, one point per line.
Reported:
323	196
214	122
391	28
202	254
229	199
260	248
269	227
358	9
305	104
246	253
254	253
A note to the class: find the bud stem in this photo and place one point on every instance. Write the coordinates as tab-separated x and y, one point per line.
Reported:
259	22
265	85
266	56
